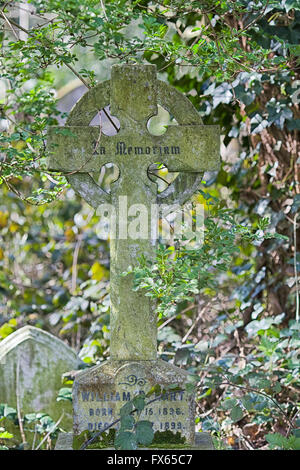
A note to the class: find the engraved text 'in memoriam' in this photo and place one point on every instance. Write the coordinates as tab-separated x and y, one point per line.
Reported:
123	149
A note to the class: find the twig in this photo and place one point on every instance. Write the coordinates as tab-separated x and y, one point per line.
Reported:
89	87
48	434
194	324
175	316
67	64
215	36
10	25
166	66
77	74
34	437
103	8
25	199
6	5
295	267
167	322
247	441
260	393
255	19
74	264
100	132
158	176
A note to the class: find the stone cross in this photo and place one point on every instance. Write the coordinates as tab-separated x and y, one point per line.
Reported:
183	148
189	148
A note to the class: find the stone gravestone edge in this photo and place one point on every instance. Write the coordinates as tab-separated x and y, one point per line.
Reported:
42	359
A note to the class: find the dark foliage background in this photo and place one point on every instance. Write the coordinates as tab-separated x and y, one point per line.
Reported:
238	62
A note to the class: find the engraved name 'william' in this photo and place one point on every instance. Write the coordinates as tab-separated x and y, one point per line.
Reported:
123	149
126	396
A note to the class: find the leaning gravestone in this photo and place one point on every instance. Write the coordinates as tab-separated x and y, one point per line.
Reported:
32	362
79	150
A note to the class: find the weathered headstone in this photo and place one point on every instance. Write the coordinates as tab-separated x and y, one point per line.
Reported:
190	148
32	362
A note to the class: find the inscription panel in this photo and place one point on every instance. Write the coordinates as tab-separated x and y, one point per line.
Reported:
97	406
169	412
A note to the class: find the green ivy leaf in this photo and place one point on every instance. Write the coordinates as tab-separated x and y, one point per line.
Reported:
277	387
190	387
139	402
247	402
144	432
126	409
276	440
236	413
125	440
289	4
6	435
9	412
64	394
127	422
229	403
296	432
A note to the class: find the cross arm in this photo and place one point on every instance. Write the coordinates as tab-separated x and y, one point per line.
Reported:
191	148
199	148
75	148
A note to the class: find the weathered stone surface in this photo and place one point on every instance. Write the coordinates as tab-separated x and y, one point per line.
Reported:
174	102
203	441
189	148
100	392
42	359
64	441
181	148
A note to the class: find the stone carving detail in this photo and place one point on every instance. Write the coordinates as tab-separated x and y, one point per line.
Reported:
133	380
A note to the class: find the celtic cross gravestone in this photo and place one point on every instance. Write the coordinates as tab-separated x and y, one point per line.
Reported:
80	150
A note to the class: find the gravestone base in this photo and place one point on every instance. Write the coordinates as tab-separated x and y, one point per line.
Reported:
203	441
100	392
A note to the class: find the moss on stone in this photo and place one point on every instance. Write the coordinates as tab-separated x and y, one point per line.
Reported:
167	437
104	441
161	440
